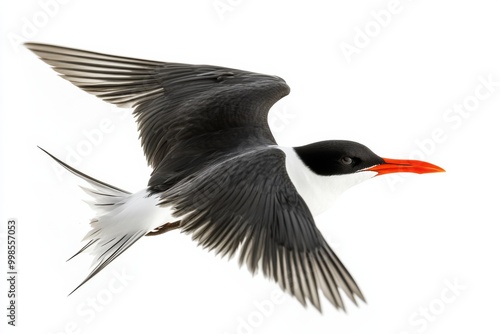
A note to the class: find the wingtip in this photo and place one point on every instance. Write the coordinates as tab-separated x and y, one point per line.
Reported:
31	46
359	294
318	307
27	45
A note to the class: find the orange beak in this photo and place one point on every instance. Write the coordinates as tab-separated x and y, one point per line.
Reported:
404	166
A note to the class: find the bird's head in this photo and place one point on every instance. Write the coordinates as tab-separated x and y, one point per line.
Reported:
341	157
336	165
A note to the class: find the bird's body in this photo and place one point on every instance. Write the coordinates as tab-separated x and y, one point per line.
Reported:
218	173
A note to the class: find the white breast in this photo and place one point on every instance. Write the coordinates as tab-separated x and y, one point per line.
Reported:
318	191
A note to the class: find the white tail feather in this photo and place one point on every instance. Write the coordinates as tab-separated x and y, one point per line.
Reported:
121	219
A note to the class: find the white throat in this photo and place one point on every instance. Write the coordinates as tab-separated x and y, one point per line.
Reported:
318	191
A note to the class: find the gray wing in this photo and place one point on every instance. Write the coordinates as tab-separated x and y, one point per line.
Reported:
188	115
249	203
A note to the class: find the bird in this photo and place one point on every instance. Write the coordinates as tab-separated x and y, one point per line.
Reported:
218	173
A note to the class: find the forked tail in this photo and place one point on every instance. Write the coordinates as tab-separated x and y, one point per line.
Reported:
121	219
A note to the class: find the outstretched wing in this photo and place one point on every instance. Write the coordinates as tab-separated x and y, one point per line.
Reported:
188	115
249	203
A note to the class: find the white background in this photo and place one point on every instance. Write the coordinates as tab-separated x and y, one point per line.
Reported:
404	240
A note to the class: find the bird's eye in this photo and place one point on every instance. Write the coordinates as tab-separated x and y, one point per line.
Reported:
346	160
